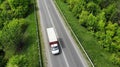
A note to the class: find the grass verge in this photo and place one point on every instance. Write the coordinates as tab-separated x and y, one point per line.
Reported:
30	47
99	57
43	57
32	43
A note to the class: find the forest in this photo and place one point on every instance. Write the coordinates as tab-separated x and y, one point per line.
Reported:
102	19
13	27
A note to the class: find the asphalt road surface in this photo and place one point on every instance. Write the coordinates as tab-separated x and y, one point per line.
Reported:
70	55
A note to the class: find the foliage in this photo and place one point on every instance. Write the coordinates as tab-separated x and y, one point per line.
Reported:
101	18
17	61
12	34
13	28
1	1
77	9
115	59
19	7
5	14
92	22
83	18
109	11
93	8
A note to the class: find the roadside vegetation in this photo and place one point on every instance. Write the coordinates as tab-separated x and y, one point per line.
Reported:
18	34
96	24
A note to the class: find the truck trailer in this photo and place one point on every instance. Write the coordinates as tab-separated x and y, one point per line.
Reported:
53	41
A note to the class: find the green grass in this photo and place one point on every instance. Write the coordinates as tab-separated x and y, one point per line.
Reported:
31	38
99	57
30	47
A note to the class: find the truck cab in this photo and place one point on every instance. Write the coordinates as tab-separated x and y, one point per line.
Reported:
54	49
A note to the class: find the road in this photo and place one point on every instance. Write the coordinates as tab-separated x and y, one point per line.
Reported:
70	55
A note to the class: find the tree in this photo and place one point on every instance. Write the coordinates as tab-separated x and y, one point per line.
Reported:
1	1
100	35
79	6
116	38
111	26
109	11
83	18
115	59
101	17
17	61
118	32
91	22
19	7
93	8
72	4
12	34
110	33
101	25
5	6
5	14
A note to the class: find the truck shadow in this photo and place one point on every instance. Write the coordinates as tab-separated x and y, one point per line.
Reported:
62	43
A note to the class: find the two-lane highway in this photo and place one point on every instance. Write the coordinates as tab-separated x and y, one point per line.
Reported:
70	55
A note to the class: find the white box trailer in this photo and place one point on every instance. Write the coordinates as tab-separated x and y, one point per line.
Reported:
53	41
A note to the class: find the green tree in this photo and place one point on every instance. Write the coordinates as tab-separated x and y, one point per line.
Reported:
5	6
17	61
83	18
5	14
79	6
111	26
19	7
72	4
110	33
109	11
101	21
12	34
100	35
101	25
91	22
115	59
116	38
93	8
1	1
101	17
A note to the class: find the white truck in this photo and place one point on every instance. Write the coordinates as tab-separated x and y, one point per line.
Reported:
53	41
